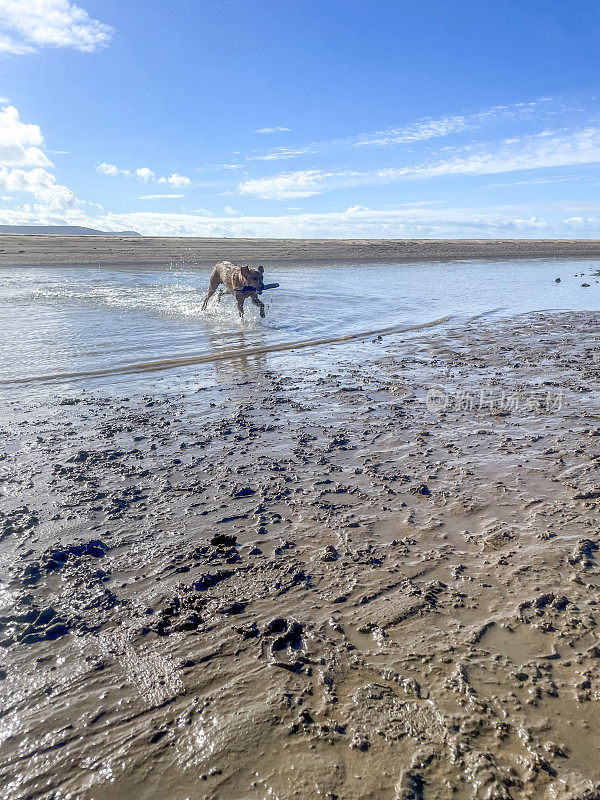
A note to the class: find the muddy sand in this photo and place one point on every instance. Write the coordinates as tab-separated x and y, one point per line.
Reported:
155	251
380	582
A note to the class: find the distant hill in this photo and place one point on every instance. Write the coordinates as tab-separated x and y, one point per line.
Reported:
62	230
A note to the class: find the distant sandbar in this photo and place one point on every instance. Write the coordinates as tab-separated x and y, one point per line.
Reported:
160	252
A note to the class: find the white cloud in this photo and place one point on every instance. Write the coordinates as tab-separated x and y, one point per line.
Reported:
50	196
176	180
283	153
276	129
589	224
543	180
354	222
303	183
49	23
11	47
145	174
160	196
110	169
20	143
541	151
425	129
417	131
218	167
25	169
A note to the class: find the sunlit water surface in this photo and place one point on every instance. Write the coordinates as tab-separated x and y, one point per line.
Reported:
74	327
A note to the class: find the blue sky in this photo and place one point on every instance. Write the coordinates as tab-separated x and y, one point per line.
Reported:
318	119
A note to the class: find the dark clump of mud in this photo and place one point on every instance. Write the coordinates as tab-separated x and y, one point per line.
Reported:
381	582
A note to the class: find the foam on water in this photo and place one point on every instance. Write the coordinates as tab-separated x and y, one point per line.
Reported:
80	324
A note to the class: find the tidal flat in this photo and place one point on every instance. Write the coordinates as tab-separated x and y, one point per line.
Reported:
365	571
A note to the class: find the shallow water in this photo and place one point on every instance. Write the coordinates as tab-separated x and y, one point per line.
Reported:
89	326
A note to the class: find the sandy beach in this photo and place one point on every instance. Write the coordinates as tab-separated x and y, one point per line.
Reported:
378	581
321	522
154	251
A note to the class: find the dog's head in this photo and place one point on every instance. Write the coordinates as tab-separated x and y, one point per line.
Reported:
252	277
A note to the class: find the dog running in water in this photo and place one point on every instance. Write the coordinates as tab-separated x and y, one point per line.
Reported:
240	281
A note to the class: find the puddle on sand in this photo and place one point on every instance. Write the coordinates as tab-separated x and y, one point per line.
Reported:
519	644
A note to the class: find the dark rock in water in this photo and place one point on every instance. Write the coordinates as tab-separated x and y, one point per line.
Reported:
190	623
248	631
284	545
246	491
56	631
54	559
208	579
557	280
181	614
277	625
291	634
45	616
95	548
292	639
583	553
330	553
223	540
586	285
80	457
233	608
422	489
294	666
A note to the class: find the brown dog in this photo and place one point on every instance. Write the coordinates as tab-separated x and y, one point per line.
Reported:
241	282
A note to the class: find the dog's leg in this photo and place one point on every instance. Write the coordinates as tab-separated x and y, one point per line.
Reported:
239	298
221	293
213	285
258	303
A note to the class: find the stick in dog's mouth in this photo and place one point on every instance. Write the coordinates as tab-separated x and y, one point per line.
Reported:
261	290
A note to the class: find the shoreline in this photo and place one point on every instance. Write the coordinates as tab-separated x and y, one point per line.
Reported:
42	250
378	576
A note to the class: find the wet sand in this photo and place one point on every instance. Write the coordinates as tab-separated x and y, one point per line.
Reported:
378	582
150	251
